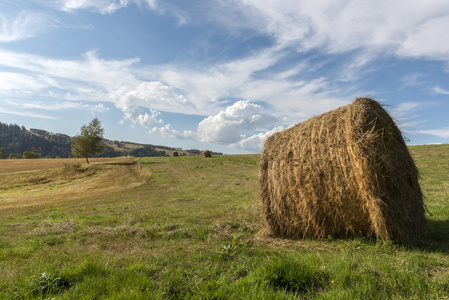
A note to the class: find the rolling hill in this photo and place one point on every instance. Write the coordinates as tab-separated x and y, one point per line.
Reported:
16	139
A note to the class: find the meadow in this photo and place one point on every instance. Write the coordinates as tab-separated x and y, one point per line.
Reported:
192	228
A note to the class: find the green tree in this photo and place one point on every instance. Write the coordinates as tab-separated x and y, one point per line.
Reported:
88	142
30	154
2	153
15	156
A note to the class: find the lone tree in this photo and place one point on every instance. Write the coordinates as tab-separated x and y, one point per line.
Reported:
88	141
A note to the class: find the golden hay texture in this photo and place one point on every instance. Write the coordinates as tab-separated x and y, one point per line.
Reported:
206	153
175	154
345	172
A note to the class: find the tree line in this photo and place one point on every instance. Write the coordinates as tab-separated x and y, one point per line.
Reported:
18	142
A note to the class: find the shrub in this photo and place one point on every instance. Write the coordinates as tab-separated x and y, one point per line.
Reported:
72	168
30	154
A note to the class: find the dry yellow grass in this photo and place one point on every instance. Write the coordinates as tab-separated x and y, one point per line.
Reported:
18	165
44	181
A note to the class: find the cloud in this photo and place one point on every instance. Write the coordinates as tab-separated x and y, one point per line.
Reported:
255	142
148	94
283	89
11	81
167	131
411	80
24	25
207	85
136	115
406	114
58	106
102	6
90	71
439	90
405	108
442	132
343	38
230	125
333	26
184	91
406	29
27	114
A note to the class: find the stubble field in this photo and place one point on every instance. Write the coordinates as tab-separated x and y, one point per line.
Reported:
190	228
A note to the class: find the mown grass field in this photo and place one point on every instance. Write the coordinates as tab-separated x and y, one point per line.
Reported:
189	228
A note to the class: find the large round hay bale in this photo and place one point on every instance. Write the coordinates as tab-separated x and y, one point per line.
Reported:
206	153
345	172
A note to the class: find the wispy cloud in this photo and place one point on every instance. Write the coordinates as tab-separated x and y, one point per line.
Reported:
26	114
439	90
407	115
387	26
23	25
58	106
442	132
406	108
102	6
411	80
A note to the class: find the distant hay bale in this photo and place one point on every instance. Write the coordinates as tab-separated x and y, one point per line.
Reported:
175	154
206	153
345	172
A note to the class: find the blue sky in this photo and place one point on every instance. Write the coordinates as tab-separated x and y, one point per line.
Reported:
220	75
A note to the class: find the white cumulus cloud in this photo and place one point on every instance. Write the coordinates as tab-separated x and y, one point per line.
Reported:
148	94
231	125
168	131
255	142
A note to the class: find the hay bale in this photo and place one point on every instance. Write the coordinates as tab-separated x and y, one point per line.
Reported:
175	154
206	153
345	172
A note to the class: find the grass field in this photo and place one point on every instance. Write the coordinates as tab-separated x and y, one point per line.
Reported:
189	228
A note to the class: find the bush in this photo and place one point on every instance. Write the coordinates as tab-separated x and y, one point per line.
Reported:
30	154
72	168
15	156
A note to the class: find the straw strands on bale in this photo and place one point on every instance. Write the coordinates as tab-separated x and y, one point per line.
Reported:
345	172
206	153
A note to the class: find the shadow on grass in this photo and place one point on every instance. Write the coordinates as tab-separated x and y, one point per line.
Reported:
121	163
435	240
151	162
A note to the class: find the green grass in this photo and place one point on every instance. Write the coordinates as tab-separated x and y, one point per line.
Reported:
192	231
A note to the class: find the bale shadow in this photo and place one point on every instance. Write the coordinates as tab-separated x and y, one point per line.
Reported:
436	239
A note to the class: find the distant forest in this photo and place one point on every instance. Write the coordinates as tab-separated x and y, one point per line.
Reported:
15	141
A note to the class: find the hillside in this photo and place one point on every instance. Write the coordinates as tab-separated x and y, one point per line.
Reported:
191	228
17	139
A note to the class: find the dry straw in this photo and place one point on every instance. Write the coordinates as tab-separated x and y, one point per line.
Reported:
346	172
206	153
